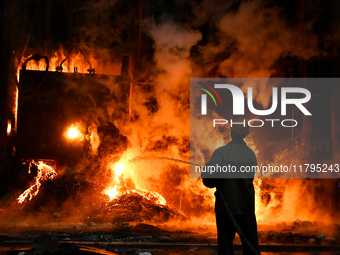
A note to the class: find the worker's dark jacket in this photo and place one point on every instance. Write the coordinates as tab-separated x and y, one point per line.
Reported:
237	188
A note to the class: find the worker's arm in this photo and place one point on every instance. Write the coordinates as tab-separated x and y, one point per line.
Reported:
207	177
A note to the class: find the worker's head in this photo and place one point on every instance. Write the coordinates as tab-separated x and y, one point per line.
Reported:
239	131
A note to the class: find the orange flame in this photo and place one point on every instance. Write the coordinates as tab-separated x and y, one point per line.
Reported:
119	187
44	172
75	62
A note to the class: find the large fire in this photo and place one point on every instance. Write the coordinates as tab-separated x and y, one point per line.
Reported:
120	186
125	140
122	180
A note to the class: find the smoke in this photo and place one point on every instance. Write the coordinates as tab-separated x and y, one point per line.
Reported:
250	40
172	43
260	39
165	129
291	199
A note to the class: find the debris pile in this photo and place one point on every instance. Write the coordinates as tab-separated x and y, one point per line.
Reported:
136	208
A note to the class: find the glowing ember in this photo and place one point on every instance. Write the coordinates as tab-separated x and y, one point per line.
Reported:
119	187
44	172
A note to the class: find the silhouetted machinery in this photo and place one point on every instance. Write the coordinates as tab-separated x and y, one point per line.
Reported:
56	110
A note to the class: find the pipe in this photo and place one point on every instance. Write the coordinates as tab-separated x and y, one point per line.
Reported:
178	160
36	57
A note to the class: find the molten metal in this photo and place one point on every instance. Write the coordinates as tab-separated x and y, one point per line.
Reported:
44	172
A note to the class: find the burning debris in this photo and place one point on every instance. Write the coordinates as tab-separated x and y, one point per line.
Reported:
133	207
122	185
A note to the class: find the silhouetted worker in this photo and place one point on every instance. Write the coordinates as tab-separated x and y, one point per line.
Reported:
238	191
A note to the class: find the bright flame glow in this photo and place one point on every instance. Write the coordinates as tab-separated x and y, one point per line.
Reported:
9	127
112	193
119	170
120	188
73	133
44	172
